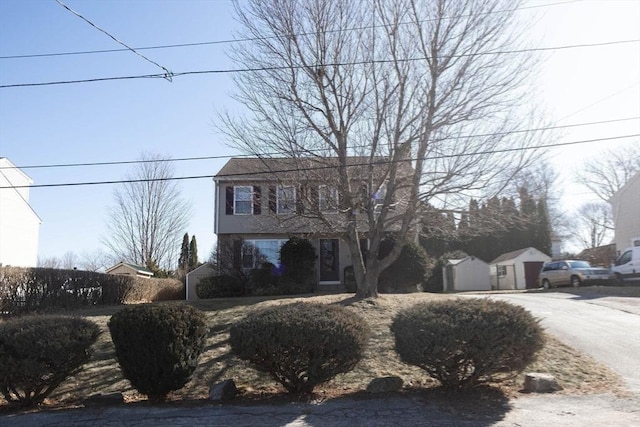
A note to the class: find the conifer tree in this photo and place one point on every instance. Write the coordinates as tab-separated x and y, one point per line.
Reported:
193	254
183	261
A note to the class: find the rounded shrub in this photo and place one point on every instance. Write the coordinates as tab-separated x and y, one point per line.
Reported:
298	258
37	353
410	269
158	346
302	344
466	342
219	287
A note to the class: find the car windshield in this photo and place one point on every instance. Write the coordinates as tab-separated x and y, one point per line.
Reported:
579	264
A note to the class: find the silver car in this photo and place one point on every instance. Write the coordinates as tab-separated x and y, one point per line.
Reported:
573	273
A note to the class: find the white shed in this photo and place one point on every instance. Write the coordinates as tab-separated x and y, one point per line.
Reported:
518	269
194	277
467	274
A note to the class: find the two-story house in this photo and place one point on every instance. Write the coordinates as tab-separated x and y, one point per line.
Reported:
19	224
262	202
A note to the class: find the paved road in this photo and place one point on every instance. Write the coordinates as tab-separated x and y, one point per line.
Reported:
530	411
606	328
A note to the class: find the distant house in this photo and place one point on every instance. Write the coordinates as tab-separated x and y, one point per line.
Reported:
625	204
601	256
126	269
262	202
194	277
467	274
19	224
518	269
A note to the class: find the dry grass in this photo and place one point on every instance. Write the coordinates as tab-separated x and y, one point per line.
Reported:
576	372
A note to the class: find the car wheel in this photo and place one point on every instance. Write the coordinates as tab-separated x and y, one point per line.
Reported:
575	281
546	284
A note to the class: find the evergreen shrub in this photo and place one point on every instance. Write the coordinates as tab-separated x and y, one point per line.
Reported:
409	270
466	342
302	344
219	287
298	258
158	346
37	353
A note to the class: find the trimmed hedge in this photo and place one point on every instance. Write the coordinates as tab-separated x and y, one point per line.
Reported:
302	344
463	343
219	287
37	353
158	346
409	270
27	290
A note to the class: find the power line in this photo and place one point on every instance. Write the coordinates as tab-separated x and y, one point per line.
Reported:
337	64
182	159
247	39
167	72
448	156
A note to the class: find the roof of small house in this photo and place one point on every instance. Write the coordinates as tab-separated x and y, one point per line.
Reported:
468	258
514	254
138	268
288	168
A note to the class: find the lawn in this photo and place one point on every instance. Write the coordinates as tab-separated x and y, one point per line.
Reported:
576	372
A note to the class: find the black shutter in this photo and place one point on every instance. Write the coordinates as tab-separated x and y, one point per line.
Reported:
272	200
257	200
237	254
300	199
229	201
315	198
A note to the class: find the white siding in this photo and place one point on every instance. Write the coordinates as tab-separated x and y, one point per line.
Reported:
19	224
194	277
626	213
470	274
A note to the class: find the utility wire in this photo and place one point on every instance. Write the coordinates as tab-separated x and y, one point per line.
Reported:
337	64
167	74
181	178
247	39
182	159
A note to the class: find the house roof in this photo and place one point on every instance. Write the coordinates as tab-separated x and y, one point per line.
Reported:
287	168
201	267
137	268
460	261
513	254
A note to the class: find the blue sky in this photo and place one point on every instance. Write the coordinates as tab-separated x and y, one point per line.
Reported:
118	120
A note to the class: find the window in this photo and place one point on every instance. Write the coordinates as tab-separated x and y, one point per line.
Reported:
379	195
257	252
286	199
502	270
328	198
243	200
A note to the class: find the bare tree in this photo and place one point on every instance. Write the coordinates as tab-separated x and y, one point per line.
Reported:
69	260
611	170
149	216
49	262
594	224
425	95
96	260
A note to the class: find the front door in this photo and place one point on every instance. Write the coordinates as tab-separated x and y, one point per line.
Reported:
330	260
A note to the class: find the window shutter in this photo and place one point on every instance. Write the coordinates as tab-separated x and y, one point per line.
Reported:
229	201
272	200
315	198
300	199
257	200
237	254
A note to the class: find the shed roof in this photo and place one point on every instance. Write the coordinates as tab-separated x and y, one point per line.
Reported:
515	254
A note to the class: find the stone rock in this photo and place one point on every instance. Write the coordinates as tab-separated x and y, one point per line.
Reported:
104	399
224	390
536	382
385	384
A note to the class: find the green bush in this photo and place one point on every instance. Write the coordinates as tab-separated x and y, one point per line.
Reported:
158	346
298	259
302	344
37	353
263	281
410	269
219	287
466	342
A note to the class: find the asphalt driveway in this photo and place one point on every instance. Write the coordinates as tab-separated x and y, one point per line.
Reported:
604	327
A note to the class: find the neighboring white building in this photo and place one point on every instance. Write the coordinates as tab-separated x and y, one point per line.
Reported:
194	277
467	274
19	224
625	204
518	269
